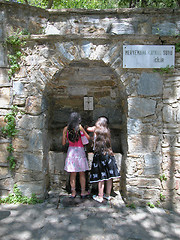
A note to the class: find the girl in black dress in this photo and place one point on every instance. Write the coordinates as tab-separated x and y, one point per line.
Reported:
104	166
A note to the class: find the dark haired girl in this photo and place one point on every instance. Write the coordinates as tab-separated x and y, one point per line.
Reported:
104	166
76	160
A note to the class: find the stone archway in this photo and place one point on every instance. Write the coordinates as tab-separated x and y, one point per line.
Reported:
66	94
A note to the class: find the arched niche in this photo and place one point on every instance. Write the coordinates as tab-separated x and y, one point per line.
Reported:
65	93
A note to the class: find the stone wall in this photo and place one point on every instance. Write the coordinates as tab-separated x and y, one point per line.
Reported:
75	53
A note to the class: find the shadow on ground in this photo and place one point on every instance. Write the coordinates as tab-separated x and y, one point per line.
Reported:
62	218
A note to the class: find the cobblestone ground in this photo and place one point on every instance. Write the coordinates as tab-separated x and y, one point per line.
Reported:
60	218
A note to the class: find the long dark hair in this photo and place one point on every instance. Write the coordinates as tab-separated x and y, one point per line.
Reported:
102	137
73	127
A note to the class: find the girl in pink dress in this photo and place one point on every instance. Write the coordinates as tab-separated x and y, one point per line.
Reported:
76	160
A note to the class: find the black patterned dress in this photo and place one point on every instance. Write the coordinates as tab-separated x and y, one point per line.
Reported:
104	167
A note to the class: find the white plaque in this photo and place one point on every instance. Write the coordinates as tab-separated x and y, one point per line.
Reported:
88	103
148	56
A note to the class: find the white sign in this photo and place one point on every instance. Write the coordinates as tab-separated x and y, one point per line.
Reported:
148	56
88	103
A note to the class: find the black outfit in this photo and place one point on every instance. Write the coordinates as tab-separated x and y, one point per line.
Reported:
104	167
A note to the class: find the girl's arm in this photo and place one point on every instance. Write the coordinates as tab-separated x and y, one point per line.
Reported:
85	133
64	137
91	129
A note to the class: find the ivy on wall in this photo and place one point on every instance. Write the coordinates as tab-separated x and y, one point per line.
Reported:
10	131
14	45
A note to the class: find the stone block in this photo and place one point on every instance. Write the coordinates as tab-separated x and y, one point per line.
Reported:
3	152
19	144
51	30
5	97
18	88
33	161
56	161
35	140
2	122
32	122
165	29
150	84
168	113
134	191
178	92
33	187
124	27
4	79
114	114
141	107
152	194
64	51
77	91
178	115
34	105
86	49
134	126
149	183
144	28
3	58
21	73
28	177
1	16
71	102
142	144
152	164
97	52
19	101
4	171
118	157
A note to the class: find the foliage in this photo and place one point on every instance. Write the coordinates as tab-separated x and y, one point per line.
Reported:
166	70
177	47
17	197
10	131
163	177
131	205
162	197
151	205
14	45
102	4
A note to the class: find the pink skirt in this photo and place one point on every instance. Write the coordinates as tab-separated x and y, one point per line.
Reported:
76	160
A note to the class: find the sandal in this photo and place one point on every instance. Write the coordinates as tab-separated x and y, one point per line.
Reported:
107	198
73	195
85	195
98	199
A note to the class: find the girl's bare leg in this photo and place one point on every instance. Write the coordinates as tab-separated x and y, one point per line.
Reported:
83	183
101	189
108	187
73	183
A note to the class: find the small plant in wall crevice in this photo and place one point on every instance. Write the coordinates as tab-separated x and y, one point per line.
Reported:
151	205
165	70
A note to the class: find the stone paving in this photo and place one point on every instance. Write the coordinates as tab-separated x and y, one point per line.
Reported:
62	218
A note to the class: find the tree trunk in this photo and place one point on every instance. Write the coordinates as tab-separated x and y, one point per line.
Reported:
178	2
26	1
132	3
144	3
50	3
